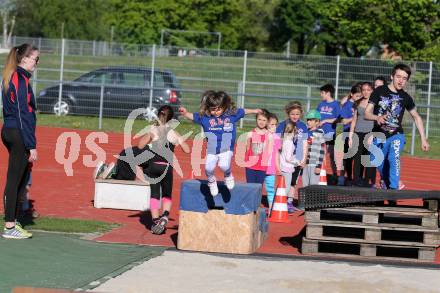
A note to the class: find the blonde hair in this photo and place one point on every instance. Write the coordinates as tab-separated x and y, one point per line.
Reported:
16	54
290	128
212	99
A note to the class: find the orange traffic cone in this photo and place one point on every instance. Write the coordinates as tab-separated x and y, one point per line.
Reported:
323	172
322	177
279	208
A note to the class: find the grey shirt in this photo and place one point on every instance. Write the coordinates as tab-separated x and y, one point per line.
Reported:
363	125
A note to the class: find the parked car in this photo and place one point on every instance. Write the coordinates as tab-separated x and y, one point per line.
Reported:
123	89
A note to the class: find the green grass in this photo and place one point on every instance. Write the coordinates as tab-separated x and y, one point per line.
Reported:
65	225
434	144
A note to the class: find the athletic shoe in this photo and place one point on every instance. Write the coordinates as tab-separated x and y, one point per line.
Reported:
99	169
290	208
341	181
16	233
160	226
109	172
383	185
18	226
229	182
213	188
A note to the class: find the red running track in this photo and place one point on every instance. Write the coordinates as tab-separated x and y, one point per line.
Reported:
58	195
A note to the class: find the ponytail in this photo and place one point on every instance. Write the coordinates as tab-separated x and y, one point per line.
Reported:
10	67
14	58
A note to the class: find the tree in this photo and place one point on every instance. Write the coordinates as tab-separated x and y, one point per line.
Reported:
351	27
243	24
82	19
7	8
412	27
295	20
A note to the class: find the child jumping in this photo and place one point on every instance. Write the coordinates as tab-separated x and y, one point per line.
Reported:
218	116
316	149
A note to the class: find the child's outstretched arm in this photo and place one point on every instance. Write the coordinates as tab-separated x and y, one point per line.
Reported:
252	111
175	138
186	114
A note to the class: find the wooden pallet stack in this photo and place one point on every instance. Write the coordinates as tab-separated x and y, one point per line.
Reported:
401	233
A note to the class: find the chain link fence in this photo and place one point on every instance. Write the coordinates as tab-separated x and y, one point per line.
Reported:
111	79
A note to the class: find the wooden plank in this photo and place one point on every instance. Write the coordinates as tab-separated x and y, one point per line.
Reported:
385	209
380	242
390	217
431	204
368	250
381	226
371	234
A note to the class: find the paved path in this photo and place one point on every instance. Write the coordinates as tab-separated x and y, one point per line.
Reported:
176	271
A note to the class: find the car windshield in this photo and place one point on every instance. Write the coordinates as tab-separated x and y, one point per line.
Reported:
171	80
93	77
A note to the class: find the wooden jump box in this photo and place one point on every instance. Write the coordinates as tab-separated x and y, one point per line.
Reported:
403	233
231	222
216	231
122	194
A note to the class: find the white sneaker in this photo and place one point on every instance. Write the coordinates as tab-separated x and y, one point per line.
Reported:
230	182
107	174
213	188
100	167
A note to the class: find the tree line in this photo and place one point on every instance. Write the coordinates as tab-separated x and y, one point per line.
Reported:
354	28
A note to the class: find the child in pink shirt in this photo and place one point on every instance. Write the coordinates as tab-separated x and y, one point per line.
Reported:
273	147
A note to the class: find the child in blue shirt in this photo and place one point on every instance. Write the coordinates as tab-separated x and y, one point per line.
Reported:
347	112
218	116
329	110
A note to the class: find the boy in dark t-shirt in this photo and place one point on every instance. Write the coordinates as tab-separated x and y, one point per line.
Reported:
386	107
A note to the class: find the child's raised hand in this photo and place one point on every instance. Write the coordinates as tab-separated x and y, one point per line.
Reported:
182	110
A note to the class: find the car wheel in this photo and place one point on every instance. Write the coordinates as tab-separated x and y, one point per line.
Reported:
62	108
150	113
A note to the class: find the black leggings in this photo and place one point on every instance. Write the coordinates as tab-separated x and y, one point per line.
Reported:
331	151
18	173
358	167
155	170
348	162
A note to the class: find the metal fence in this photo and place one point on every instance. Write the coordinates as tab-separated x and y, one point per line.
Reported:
109	79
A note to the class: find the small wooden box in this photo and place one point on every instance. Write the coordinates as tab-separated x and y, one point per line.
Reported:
216	231
122	194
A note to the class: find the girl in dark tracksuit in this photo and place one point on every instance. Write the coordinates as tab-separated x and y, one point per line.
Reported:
159	169
18	132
